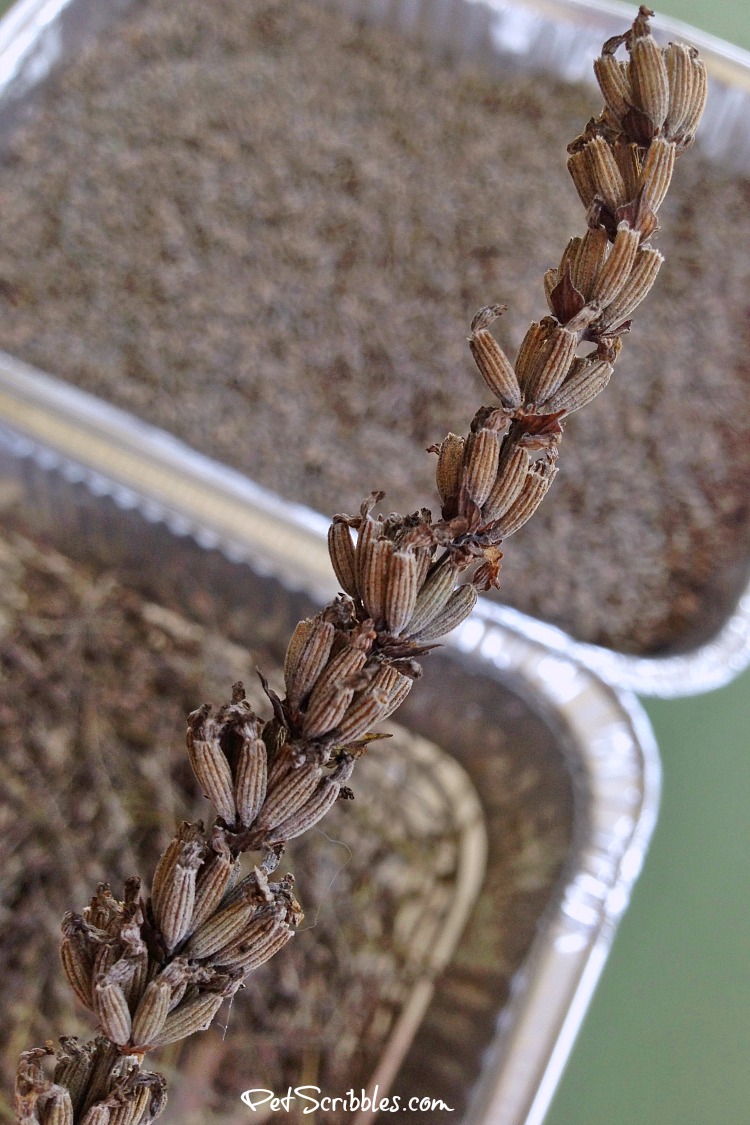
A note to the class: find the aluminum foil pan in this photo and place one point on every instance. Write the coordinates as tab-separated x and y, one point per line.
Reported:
105	486
558	36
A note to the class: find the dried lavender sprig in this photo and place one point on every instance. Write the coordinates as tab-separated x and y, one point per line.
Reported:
155	971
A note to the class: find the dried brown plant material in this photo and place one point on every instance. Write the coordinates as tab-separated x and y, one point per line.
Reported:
155	971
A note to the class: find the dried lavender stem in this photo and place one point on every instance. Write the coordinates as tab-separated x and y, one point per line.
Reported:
155	970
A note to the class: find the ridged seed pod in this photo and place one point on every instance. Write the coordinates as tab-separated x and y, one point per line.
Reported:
642	276
78	965
332	695
177	902
528	353
605	173
434	594
628	157
97	1115
681	76
614	83
615	271
168	859
292	791
258	945
534	490
362	713
192	1015
511	474
152	1012
495	368
368	531
658	166
479	469
552	365
315	808
212	773
375	568
579	168
457	609
588	260
341	551
700	92
648	74
402	589
448	474
72	1069
251	780
308	814
587	378
112	1009
223	928
58	1107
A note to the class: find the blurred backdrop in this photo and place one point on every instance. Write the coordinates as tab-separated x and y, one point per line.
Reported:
667	1039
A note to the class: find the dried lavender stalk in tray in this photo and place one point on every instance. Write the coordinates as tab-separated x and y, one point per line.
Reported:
153	970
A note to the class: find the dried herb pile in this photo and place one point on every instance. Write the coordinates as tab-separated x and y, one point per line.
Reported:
94	682
200	226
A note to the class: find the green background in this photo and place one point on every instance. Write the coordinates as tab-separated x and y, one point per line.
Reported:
667	1038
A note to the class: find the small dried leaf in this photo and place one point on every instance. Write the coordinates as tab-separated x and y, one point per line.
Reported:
565	300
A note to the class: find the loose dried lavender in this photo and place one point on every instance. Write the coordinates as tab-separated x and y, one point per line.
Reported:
154	970
195	202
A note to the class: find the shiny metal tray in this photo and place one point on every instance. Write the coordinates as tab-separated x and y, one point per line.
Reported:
558	36
103	486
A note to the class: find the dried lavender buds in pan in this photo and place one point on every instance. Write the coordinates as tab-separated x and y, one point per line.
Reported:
153	969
